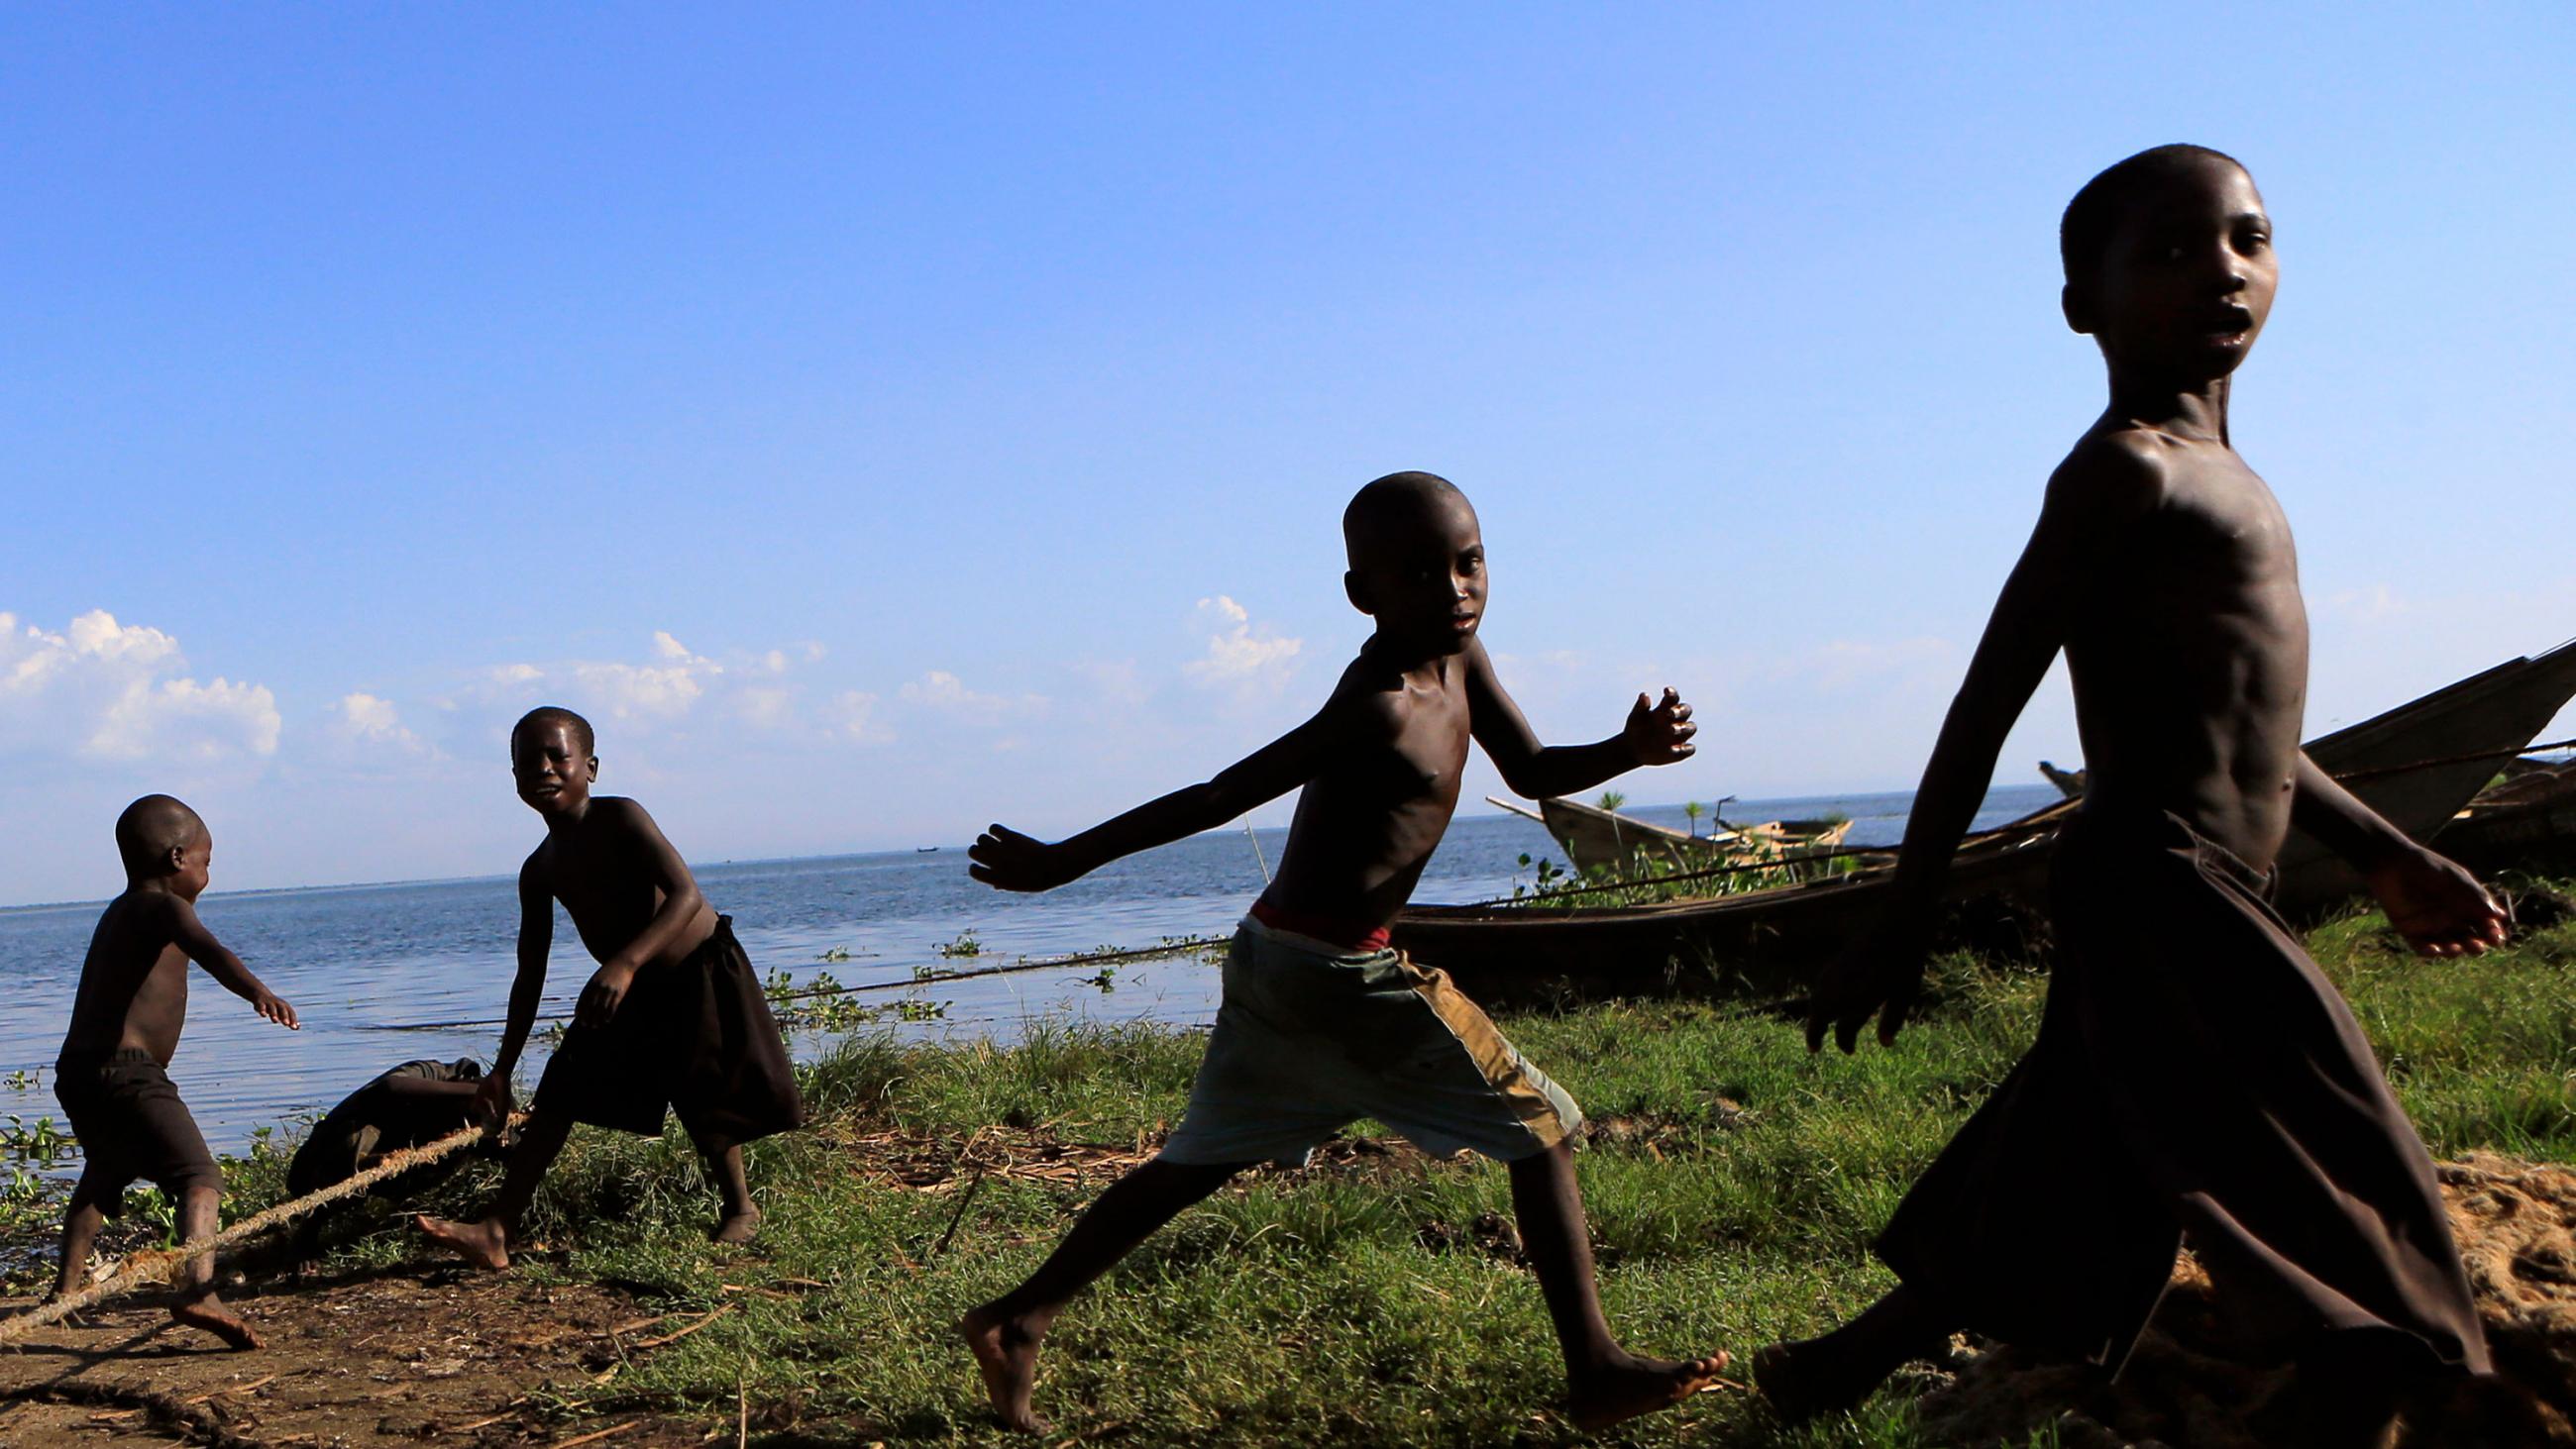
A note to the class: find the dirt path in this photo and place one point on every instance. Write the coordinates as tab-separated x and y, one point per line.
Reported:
418	1355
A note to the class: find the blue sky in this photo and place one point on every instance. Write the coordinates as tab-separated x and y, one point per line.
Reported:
887	419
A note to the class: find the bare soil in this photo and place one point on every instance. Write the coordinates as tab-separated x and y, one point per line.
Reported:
420	1355
2516	1226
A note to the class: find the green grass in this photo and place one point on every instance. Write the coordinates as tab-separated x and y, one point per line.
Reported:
1341	1308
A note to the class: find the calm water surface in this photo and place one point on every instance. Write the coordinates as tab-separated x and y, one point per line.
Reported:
382	974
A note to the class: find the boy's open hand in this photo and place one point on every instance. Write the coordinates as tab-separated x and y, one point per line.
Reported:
273	1007
491	1102
1881	972
1007	860
2439	908
600	999
1660	733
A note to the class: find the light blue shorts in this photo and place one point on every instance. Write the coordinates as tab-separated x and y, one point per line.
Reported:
1311	1036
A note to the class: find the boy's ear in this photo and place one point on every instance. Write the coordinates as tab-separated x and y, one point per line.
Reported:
2079	311
593	763
1357	593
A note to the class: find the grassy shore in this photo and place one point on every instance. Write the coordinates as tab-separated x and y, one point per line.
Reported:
1734	1182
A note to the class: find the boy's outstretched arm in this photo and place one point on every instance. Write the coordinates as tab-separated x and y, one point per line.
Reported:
536	939
1007	860
2102	487
225	967
1657	733
2438	907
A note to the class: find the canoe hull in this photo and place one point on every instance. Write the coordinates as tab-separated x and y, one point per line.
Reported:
1771	940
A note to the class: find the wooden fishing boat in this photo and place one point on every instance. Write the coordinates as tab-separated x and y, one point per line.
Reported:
2069	783
2408	764
1598	839
2526	822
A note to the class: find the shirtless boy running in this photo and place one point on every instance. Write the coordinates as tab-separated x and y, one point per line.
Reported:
1321	1022
2194	1073
112	1077
673	1019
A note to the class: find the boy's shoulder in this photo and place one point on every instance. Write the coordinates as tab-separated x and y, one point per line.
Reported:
1370	693
2115	471
141	909
136	926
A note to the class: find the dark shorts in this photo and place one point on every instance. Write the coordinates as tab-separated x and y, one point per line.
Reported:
131	1124
696	1038
2195	1076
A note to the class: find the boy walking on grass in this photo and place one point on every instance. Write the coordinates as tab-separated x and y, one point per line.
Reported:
113	1078
1321	1022
673	1019
2194	1074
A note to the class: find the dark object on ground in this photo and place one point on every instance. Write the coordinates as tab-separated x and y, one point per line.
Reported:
401	1108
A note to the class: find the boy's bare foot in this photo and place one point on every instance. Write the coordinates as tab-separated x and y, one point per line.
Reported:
482	1244
1801	1383
210	1314
735	1227
1639	1386
1006	1352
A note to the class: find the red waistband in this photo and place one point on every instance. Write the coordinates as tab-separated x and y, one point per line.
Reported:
1338	933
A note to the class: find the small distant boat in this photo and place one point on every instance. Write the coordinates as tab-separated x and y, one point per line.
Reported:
1598	839
2418	765
925	850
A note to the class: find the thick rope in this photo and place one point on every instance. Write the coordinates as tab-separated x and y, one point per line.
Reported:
1180	947
156	1265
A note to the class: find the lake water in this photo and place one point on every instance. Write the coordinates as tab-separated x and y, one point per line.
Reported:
374	970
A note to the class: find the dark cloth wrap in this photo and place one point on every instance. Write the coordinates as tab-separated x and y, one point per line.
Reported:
131	1124
2194	1076
374	1120
694	1037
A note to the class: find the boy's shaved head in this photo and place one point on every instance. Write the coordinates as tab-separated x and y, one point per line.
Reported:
2093	217
1388	503
553	714
151	828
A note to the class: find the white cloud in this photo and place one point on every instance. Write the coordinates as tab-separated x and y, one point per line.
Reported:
113	691
183	717
1240	656
945	692
364	718
672	685
766	706
852	715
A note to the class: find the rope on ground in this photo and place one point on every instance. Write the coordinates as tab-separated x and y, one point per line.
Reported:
1179	947
156	1265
